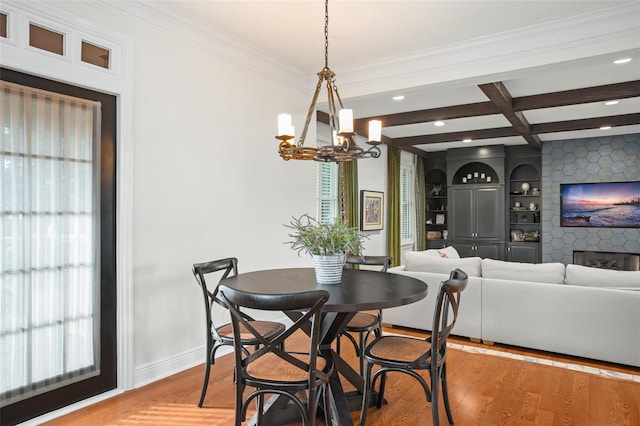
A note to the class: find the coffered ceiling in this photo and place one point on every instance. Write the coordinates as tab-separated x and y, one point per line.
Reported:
495	72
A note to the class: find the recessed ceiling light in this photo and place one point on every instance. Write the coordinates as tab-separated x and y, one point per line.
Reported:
438	123
467	140
398	98
622	61
612	102
605	127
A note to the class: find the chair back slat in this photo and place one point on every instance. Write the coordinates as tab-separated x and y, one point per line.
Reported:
305	310
448	300
383	261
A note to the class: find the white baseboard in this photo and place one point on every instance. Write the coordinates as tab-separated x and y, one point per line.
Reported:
159	369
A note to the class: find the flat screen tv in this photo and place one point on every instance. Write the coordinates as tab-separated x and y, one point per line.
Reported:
600	205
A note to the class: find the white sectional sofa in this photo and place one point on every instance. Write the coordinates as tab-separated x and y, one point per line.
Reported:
573	310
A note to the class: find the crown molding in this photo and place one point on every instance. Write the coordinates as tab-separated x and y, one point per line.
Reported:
157	16
611	30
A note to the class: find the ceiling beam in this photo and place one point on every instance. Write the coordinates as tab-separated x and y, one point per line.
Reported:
501	98
434	114
607	92
499	132
587	123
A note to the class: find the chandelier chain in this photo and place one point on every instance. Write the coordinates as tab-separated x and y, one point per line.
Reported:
326	34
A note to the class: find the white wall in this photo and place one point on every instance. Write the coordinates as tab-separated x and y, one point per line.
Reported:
206	178
372	176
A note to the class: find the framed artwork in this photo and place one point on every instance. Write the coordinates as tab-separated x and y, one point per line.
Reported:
516	235
439	219
371	210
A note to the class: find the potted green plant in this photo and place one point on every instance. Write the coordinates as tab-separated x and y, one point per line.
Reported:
436	190
327	243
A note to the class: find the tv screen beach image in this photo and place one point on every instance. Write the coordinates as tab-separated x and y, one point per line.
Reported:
604	205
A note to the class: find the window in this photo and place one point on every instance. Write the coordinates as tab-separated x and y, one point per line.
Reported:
3	25
49	263
327	192
57	247
96	55
46	39
406	201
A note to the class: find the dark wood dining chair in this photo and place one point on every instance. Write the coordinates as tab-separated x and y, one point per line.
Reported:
409	355
366	322
218	336
301	377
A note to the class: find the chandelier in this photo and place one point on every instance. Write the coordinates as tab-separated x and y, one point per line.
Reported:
343	146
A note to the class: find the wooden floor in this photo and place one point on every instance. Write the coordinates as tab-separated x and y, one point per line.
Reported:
483	389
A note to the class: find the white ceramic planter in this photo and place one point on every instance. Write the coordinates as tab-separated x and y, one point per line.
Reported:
329	268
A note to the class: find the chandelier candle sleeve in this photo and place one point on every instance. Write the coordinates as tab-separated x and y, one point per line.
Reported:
284	125
375	131
345	116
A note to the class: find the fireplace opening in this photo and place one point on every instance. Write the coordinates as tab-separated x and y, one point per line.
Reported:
607	260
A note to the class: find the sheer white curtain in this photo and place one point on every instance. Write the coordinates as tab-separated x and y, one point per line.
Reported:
49	244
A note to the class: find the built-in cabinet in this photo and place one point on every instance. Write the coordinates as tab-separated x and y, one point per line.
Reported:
486	202
436	201
524	205
475	219
476	202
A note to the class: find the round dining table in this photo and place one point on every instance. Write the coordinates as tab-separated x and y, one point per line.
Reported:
359	290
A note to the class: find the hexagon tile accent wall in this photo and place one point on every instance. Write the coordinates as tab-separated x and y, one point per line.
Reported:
605	159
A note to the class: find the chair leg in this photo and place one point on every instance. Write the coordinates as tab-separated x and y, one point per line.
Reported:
366	394
435	382
445	393
338	344
239	403
362	341
383	382
205	383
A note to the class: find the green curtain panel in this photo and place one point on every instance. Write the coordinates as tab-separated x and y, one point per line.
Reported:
420	201
349	173
393	204
348	181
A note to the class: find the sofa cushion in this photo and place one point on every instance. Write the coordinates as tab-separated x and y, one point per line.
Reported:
418	261
551	273
449	252
598	277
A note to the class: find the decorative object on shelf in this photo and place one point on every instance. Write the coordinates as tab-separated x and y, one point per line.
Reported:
327	243
445	234
343	146
531	236
525	188
517	204
434	235
516	235
436	190
371	210
524	218
535	191
476	177
533	207
439	219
